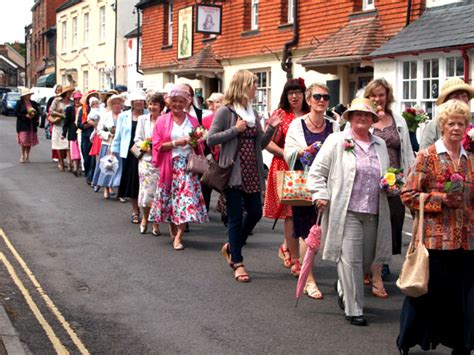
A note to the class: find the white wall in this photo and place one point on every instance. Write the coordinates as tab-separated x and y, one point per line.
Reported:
133	77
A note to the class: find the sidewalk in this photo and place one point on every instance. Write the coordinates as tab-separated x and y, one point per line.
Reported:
9	340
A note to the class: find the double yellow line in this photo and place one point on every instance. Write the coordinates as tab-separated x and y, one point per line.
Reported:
53	338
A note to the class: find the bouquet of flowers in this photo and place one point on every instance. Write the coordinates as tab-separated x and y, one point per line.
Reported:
414	116
31	113
392	181
146	145
197	134
451	182
308	156
468	139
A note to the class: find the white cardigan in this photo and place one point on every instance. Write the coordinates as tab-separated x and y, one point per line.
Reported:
331	178
144	131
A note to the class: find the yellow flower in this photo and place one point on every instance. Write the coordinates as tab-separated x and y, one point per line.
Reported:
391	178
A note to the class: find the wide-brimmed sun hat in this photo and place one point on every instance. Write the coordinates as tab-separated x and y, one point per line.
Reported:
180	90
26	92
215	96
137	95
361	105
113	98
91	93
66	89
452	85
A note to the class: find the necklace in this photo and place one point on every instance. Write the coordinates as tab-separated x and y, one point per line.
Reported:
315	125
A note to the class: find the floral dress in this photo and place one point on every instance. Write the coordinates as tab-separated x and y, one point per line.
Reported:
272	207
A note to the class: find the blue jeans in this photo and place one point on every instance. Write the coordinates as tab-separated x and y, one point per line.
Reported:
240	227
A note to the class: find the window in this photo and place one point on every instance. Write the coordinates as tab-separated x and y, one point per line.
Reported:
423	77
368	5
102	24
291	16
454	67
102	82
74	32
63	80
86	30
262	96
254	15
170	24
64	36
85	81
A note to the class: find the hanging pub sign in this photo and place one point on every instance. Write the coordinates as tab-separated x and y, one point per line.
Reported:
209	19
185	32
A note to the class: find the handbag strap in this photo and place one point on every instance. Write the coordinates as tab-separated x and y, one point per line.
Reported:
240	135
417	228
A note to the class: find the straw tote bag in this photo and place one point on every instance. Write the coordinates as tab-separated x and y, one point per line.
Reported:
414	277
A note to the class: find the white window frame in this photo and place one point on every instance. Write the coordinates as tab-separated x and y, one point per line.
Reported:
291	16
64	36
74	32
102	24
63	79
170	23
426	103
262	102
85	80
102	78
368	5
254	15
85	39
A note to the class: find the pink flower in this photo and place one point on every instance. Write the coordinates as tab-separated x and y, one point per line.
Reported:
439	186
456	177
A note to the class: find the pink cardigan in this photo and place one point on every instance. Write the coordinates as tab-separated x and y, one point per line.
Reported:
162	134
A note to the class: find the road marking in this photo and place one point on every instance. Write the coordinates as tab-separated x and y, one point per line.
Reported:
53	338
49	303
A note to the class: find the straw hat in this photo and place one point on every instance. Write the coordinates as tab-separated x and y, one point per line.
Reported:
113	98
66	89
26	92
215	96
361	105
86	97
451	85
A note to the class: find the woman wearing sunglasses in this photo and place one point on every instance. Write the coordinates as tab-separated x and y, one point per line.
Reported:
304	137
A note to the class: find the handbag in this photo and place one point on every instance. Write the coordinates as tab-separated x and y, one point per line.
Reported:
291	186
197	164
414	276
137	152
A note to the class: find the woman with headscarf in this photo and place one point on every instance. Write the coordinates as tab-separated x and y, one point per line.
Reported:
27	120
178	198
70	131
147	172
106	131
123	141
237	129
57	115
293	104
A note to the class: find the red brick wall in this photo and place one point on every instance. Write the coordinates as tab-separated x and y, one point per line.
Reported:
318	19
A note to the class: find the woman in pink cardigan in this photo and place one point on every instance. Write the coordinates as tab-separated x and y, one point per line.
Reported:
179	198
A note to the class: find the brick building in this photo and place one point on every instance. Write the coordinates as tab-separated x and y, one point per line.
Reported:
12	65
331	43
42	50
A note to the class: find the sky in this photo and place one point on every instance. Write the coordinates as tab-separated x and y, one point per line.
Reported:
14	16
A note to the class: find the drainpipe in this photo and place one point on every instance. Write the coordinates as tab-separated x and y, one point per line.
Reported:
466	65
26	59
408	13
137	64
115	43
286	63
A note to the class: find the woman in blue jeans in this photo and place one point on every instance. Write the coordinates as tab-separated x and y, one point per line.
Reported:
237	129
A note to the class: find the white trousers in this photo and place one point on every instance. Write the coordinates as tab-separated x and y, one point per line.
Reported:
358	251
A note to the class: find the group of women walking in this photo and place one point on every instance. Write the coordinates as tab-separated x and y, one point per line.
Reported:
344	159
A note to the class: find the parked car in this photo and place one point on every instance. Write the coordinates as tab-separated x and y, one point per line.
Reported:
8	103
4	90
41	96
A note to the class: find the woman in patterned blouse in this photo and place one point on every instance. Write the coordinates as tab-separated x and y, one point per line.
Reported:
446	313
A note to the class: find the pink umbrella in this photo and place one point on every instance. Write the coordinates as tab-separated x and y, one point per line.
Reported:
313	242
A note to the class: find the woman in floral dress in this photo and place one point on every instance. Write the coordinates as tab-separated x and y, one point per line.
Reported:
179	197
293	104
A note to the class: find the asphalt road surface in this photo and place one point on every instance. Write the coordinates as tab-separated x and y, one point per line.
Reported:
120	292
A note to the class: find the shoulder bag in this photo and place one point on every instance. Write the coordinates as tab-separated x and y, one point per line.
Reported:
291	186
414	276
197	163
217	177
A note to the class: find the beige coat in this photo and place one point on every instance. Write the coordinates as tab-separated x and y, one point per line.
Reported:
331	178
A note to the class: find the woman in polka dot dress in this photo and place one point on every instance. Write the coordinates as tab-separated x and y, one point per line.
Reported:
293	105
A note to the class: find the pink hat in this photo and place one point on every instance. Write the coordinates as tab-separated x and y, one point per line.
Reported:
179	90
77	95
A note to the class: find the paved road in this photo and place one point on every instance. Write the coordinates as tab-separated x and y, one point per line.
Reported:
125	293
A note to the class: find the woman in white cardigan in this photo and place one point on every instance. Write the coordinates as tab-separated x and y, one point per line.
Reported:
345	180
148	173
303	139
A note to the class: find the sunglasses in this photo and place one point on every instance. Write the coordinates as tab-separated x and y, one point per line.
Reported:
318	97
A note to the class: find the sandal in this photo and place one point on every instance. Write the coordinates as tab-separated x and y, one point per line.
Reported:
379	292
156	232
366	279
242	277
226	252
135	218
284	254
295	267
312	290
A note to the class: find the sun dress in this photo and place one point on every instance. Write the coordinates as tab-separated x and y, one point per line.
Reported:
129	184
272	207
